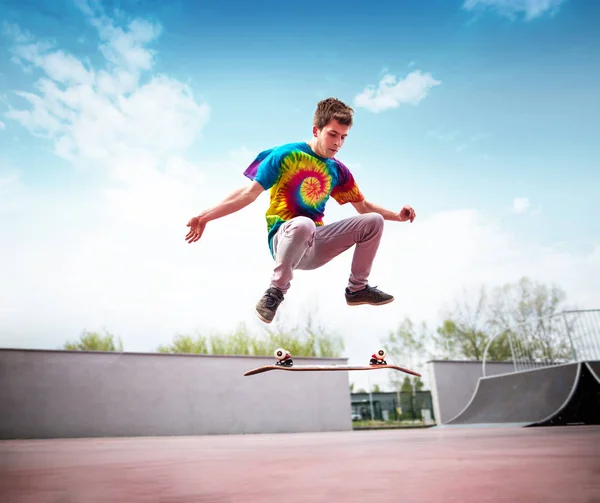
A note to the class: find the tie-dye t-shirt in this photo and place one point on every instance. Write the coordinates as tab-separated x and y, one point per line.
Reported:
300	183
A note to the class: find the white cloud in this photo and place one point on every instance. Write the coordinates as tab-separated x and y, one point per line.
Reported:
520	204
104	114
391	93
134	134
2	125
531	9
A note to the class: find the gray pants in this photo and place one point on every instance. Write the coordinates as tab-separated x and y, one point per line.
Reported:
300	244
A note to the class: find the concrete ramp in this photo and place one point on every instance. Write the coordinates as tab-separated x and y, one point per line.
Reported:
556	395
595	368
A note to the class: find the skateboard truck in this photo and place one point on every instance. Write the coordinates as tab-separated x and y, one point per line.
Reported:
378	358
284	358
285	362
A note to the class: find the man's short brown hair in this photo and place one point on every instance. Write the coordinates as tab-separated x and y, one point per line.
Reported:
332	108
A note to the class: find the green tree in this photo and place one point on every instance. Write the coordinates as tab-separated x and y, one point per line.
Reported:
410	385
417	383
461	341
407	386
309	339
407	345
521	318
523	315
186	344
95	341
527	314
467	328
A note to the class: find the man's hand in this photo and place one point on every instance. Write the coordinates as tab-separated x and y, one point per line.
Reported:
407	213
238	199
196	226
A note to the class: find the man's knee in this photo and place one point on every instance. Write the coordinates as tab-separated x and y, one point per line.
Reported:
373	222
301	228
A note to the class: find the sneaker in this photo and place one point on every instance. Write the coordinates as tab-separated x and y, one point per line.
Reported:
268	304
368	295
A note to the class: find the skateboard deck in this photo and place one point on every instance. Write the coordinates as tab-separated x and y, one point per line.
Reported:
321	368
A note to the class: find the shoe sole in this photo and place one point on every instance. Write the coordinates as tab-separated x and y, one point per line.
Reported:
262	318
359	303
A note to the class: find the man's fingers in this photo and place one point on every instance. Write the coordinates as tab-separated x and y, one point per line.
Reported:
408	213
190	234
194	235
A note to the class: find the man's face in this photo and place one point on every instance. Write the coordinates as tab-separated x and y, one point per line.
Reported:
331	138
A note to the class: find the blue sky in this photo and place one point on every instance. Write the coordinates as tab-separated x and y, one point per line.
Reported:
504	106
519	95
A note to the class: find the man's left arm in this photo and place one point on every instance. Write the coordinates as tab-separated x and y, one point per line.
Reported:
405	214
347	191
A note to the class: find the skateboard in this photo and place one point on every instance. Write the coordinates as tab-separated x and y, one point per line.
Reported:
285	362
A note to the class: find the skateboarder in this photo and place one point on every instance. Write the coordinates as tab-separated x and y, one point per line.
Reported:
301	177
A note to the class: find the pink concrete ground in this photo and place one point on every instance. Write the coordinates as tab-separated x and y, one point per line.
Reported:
544	465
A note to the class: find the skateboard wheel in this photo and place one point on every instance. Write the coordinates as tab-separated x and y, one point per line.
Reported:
380	354
280	353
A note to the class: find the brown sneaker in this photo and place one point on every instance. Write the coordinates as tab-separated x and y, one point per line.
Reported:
268	304
368	295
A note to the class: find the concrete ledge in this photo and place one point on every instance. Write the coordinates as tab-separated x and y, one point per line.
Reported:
69	394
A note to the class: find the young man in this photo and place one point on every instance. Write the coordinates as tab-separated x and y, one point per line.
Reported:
302	177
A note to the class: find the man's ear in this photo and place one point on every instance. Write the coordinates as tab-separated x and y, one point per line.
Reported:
315	131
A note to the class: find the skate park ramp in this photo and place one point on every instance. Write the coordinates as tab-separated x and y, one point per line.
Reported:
557	395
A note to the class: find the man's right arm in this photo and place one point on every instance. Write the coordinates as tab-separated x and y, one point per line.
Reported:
262	179
237	200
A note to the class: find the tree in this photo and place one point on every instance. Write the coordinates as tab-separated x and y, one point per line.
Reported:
463	332
94	341
407	386
527	314
308	339
523	316
407	346
520	317
411	385
418	383
460	341
186	344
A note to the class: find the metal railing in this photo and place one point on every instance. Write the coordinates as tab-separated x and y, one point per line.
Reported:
565	337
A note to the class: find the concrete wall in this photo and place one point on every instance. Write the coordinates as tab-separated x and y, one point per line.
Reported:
53	394
453	384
